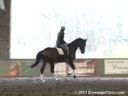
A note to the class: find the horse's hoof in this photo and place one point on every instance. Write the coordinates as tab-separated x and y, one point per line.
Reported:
43	81
56	79
69	74
74	76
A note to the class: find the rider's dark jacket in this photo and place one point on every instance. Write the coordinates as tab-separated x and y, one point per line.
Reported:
60	38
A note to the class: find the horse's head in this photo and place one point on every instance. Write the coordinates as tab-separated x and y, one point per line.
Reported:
82	44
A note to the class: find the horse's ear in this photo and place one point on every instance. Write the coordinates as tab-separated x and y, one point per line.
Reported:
85	39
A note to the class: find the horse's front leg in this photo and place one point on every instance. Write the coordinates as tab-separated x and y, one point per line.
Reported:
42	77
52	71
55	76
72	72
73	69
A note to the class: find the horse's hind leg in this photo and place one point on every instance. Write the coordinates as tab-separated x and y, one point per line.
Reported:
42	71
73	67
52	71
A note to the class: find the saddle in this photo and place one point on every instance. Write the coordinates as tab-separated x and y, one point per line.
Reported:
61	51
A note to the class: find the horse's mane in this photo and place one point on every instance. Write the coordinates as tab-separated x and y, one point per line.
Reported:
76	40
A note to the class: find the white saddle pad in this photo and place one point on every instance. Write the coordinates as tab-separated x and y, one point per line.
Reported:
60	51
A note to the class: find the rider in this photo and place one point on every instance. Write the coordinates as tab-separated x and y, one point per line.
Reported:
60	43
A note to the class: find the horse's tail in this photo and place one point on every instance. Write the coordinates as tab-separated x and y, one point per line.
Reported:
39	57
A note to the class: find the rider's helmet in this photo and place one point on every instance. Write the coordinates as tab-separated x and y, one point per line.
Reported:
62	27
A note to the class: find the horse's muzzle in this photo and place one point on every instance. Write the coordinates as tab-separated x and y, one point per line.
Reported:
82	52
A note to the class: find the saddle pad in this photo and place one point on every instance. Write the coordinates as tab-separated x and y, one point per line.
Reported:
60	51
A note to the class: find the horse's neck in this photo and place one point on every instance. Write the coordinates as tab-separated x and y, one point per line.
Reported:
73	46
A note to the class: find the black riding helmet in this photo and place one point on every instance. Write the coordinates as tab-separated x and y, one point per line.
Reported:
62	28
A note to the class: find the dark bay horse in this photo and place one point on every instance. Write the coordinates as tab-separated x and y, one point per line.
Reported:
50	55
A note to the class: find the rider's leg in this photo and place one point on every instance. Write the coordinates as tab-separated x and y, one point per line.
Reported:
65	48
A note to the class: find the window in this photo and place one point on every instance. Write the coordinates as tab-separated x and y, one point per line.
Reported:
35	24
